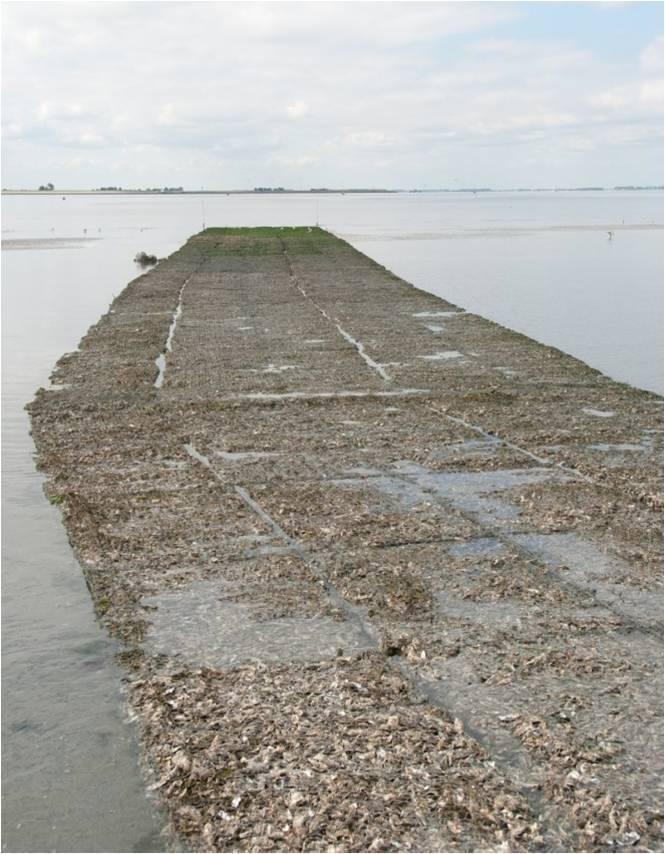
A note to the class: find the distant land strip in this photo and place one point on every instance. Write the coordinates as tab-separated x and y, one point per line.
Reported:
111	191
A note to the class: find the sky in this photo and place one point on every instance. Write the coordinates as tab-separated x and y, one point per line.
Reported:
226	95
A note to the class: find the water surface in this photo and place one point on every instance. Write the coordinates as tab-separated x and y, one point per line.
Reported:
71	780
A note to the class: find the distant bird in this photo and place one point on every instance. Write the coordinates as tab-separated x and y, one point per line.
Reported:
85	231
611	234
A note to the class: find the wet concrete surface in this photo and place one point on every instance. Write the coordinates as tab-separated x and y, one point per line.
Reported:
315	516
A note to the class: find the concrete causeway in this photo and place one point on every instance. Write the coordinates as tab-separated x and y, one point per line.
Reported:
389	575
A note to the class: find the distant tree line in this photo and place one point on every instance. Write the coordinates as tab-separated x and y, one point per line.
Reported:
146	190
47	187
162	190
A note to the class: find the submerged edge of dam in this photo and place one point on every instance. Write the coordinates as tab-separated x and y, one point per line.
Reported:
387	575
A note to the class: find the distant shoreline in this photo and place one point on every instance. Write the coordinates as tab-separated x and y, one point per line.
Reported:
195	192
317	192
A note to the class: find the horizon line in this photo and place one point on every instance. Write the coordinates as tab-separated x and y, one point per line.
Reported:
268	191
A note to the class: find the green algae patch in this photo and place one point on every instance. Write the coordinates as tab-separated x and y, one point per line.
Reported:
301	240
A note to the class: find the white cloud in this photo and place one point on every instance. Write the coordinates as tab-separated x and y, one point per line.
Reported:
298	161
297	110
12	131
321	93
369	139
90	138
167	116
651	58
644	97
651	94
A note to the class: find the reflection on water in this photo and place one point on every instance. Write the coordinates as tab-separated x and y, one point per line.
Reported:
45	243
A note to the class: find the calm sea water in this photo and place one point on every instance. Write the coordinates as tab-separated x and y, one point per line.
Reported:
542	263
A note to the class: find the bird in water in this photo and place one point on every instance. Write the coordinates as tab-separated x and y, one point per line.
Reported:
611	234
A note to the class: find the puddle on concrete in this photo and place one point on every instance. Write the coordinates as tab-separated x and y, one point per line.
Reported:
437	313
176	317
468	449
584	560
174	464
477	546
620	447
263	551
407	493
375	366
469	491
599	413
245	456
325	395
273	369
206	629
363	471
267	544
500	615
200	458
412	485
443	356
579	561
589	567
160	361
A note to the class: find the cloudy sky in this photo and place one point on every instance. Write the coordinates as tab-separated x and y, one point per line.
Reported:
397	95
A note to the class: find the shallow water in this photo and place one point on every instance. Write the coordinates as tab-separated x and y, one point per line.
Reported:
478	546
71	781
587	567
206	627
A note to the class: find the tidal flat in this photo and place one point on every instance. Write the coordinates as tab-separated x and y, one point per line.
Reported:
371	596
